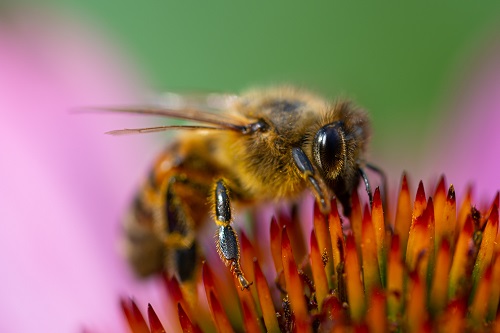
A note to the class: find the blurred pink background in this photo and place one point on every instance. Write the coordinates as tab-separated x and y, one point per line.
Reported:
465	143
64	184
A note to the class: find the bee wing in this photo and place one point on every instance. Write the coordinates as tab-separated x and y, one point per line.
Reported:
198	100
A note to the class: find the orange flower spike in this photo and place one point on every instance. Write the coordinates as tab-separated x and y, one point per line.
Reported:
459	263
249	308
450	218
337	240
403	214
186	324
418	241
496	324
266	301
380	233
318	271
173	289
395	272
356	220
359	328
369	254
276	245
495	290
430	258
497	245
322	236
480	303
419	204
246	296
464	210
294	285
219	316
439	205
175	293
335	310
418	228
486	248
494	205
453	317
251	321
135	320
247	257
295	231
416	311
355	293
208	279
439	288
376	316
154	321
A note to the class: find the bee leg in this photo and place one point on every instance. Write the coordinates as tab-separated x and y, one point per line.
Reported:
186	262
177	232
368	188
315	182
228	246
383	188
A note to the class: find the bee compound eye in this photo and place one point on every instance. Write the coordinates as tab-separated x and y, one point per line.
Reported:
328	147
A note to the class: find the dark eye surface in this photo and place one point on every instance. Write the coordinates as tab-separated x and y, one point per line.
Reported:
328	147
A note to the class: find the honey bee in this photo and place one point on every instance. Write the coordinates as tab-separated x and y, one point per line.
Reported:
264	145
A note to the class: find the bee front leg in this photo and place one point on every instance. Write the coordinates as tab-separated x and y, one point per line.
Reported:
368	187
228	246
314	181
383	187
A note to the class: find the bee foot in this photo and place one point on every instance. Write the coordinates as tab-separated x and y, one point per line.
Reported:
235	268
244	284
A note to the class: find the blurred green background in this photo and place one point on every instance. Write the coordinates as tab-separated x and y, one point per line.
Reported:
399	60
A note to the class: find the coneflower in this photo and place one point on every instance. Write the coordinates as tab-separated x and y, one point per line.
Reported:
434	267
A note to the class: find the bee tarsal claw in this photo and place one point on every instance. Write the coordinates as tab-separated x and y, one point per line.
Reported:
244	284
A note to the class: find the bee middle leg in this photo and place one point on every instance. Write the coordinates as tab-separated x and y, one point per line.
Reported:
175	225
227	241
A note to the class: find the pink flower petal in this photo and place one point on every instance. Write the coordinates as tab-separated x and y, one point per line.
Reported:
466	145
63	184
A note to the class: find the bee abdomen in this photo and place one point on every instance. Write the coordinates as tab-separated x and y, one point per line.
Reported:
143	249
